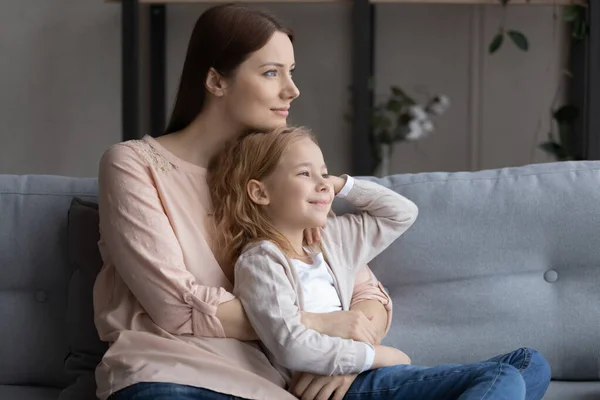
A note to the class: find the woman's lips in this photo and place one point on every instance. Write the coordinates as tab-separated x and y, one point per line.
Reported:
282	112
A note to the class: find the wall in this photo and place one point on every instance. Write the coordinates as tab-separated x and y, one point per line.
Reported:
60	75
500	102
60	80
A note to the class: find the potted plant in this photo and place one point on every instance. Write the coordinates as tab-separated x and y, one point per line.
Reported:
400	118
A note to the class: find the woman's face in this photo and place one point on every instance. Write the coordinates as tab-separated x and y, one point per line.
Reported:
260	93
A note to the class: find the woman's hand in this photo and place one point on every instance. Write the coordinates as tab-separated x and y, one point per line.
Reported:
344	324
308	386
386	356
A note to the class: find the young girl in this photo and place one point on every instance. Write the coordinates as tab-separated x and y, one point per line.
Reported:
267	189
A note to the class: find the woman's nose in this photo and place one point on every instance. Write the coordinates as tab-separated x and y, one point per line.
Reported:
290	91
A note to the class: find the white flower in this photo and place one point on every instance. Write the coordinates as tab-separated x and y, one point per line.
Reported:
427	126
415	130
417	112
438	105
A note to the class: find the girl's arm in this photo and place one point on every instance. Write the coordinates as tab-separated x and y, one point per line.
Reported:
383	216
370	313
269	299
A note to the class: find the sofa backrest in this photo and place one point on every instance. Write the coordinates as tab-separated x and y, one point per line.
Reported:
34	272
498	260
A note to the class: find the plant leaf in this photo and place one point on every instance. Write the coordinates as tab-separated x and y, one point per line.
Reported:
401	95
519	39
555	149
496	42
396	91
570	13
567	141
566	114
394	105
582	30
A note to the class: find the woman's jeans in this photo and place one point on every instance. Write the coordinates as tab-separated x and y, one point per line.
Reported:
523	374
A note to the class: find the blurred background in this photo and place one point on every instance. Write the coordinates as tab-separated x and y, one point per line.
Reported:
466	86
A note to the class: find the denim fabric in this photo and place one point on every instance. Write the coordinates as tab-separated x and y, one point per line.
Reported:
168	391
523	374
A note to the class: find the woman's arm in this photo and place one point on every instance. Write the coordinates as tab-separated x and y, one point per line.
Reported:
370	297
147	255
235	322
375	311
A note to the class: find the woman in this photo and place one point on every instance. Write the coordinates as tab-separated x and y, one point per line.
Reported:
161	300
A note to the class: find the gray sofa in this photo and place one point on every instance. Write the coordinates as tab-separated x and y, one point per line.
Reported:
497	260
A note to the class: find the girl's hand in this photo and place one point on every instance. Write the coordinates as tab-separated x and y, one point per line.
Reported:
312	235
353	325
308	386
338	183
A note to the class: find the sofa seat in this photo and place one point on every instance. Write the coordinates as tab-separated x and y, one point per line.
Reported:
560	390
10	392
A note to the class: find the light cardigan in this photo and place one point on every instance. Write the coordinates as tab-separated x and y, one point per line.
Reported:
269	289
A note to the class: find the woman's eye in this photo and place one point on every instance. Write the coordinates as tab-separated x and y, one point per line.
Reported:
325	176
272	72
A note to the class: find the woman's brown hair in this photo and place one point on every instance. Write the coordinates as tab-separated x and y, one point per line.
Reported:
223	37
238	220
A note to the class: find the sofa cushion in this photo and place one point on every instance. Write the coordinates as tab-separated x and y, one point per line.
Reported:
560	390
85	347
34	271
27	393
498	260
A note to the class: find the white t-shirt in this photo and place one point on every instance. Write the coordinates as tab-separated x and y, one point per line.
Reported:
320	294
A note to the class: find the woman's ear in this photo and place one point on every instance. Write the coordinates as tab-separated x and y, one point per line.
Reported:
215	83
258	193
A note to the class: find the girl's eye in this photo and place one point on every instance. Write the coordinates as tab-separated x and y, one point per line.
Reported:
304	173
292	71
272	72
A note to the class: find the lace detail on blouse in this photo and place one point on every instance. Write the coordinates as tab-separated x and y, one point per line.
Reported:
152	156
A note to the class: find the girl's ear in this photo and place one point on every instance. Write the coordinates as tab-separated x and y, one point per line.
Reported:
258	193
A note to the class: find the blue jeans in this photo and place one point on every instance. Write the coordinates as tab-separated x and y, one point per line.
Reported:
523	374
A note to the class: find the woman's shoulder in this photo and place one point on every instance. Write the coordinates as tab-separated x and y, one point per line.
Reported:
134	154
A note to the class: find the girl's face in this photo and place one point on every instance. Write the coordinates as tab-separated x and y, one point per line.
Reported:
298	193
259	95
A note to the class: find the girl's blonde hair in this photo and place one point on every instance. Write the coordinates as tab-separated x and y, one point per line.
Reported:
237	219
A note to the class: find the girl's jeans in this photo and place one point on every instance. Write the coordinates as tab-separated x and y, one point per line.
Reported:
523	374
